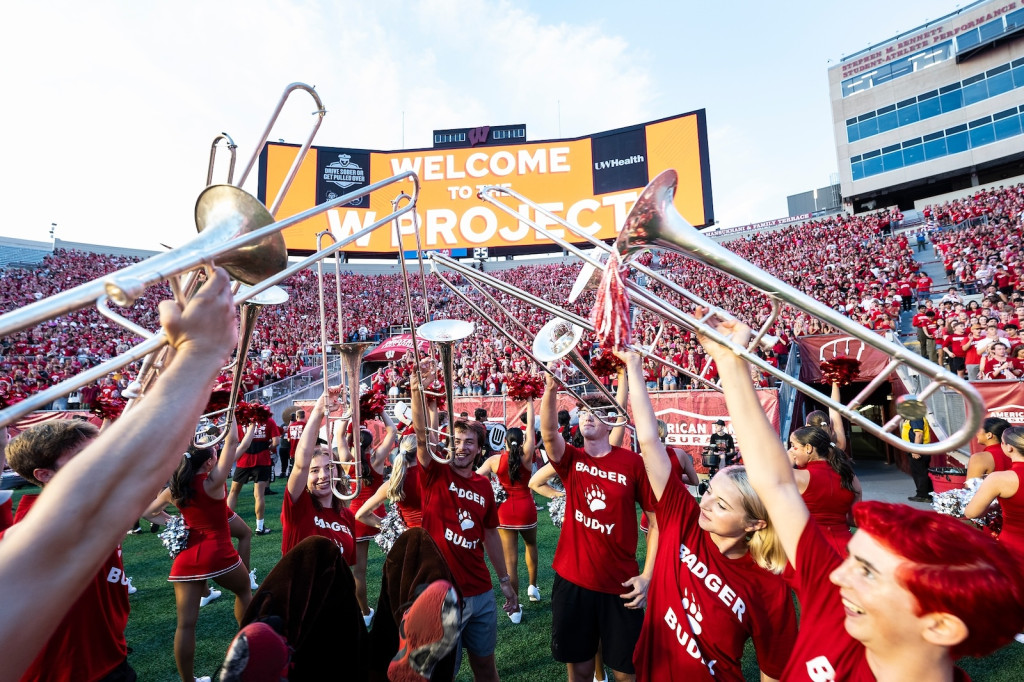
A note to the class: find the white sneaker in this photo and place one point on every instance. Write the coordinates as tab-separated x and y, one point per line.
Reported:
1019	638
214	594
204	678
533	592
517	617
131	588
252	580
369	619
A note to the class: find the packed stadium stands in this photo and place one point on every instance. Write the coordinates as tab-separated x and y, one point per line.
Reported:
852	263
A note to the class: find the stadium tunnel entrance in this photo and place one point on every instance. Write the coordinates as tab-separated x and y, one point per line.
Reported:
879	408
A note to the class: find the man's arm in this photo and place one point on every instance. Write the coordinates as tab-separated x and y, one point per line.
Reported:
554	444
492	543
149	444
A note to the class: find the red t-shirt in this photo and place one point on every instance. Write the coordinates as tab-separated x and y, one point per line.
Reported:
294	435
259	451
824	651
89	642
300	520
703	607
456	512
597	547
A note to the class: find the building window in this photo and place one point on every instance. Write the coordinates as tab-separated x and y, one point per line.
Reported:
978	133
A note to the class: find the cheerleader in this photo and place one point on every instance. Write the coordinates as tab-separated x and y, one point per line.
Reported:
827	483
517	515
197	490
402	490
831	423
310	506
1006	485
373	460
992	458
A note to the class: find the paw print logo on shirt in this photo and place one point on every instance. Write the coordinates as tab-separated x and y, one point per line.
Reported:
465	520
595	498
693	612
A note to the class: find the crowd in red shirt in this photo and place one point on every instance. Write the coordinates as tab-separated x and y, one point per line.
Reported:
850	263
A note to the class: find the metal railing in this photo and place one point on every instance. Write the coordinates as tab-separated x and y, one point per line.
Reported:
281	390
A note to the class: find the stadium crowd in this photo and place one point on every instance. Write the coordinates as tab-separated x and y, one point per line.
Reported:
851	263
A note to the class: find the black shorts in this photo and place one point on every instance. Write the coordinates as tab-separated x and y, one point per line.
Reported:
956	364
582	618
258	474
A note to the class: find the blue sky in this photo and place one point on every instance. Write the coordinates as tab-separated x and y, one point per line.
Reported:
110	107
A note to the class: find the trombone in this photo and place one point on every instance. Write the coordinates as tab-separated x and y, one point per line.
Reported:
654	222
236	232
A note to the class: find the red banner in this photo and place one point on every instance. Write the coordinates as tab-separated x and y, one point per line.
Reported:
394	348
1003	399
815	350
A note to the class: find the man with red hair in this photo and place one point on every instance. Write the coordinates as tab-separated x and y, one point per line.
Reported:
917	590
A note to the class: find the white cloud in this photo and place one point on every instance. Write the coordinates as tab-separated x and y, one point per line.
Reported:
113	105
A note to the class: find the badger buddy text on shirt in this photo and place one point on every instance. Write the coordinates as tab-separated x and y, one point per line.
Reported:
597	547
702	606
456	512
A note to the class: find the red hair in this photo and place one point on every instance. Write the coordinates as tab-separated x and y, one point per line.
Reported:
952	568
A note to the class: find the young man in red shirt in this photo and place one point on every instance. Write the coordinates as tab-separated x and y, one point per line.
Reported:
461	516
295	428
255	465
76	633
895	608
598	595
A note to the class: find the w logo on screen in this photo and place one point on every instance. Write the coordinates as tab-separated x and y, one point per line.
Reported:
478	135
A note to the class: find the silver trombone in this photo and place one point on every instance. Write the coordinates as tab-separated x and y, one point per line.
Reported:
555	335
444	334
236	232
250	310
351	360
654	222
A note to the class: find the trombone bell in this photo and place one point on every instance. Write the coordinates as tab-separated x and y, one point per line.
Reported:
556	339
443	331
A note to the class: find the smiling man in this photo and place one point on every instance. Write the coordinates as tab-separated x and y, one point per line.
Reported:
917	589
461	516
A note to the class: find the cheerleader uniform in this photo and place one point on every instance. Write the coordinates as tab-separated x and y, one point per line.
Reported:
829	503
999	458
411	508
364	532
519	511
1012	535
209	552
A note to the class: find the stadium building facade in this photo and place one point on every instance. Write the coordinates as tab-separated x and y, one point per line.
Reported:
932	110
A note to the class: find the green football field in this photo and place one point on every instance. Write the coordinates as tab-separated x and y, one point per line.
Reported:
523	651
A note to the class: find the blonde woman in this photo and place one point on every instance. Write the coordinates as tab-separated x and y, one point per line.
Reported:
717	584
